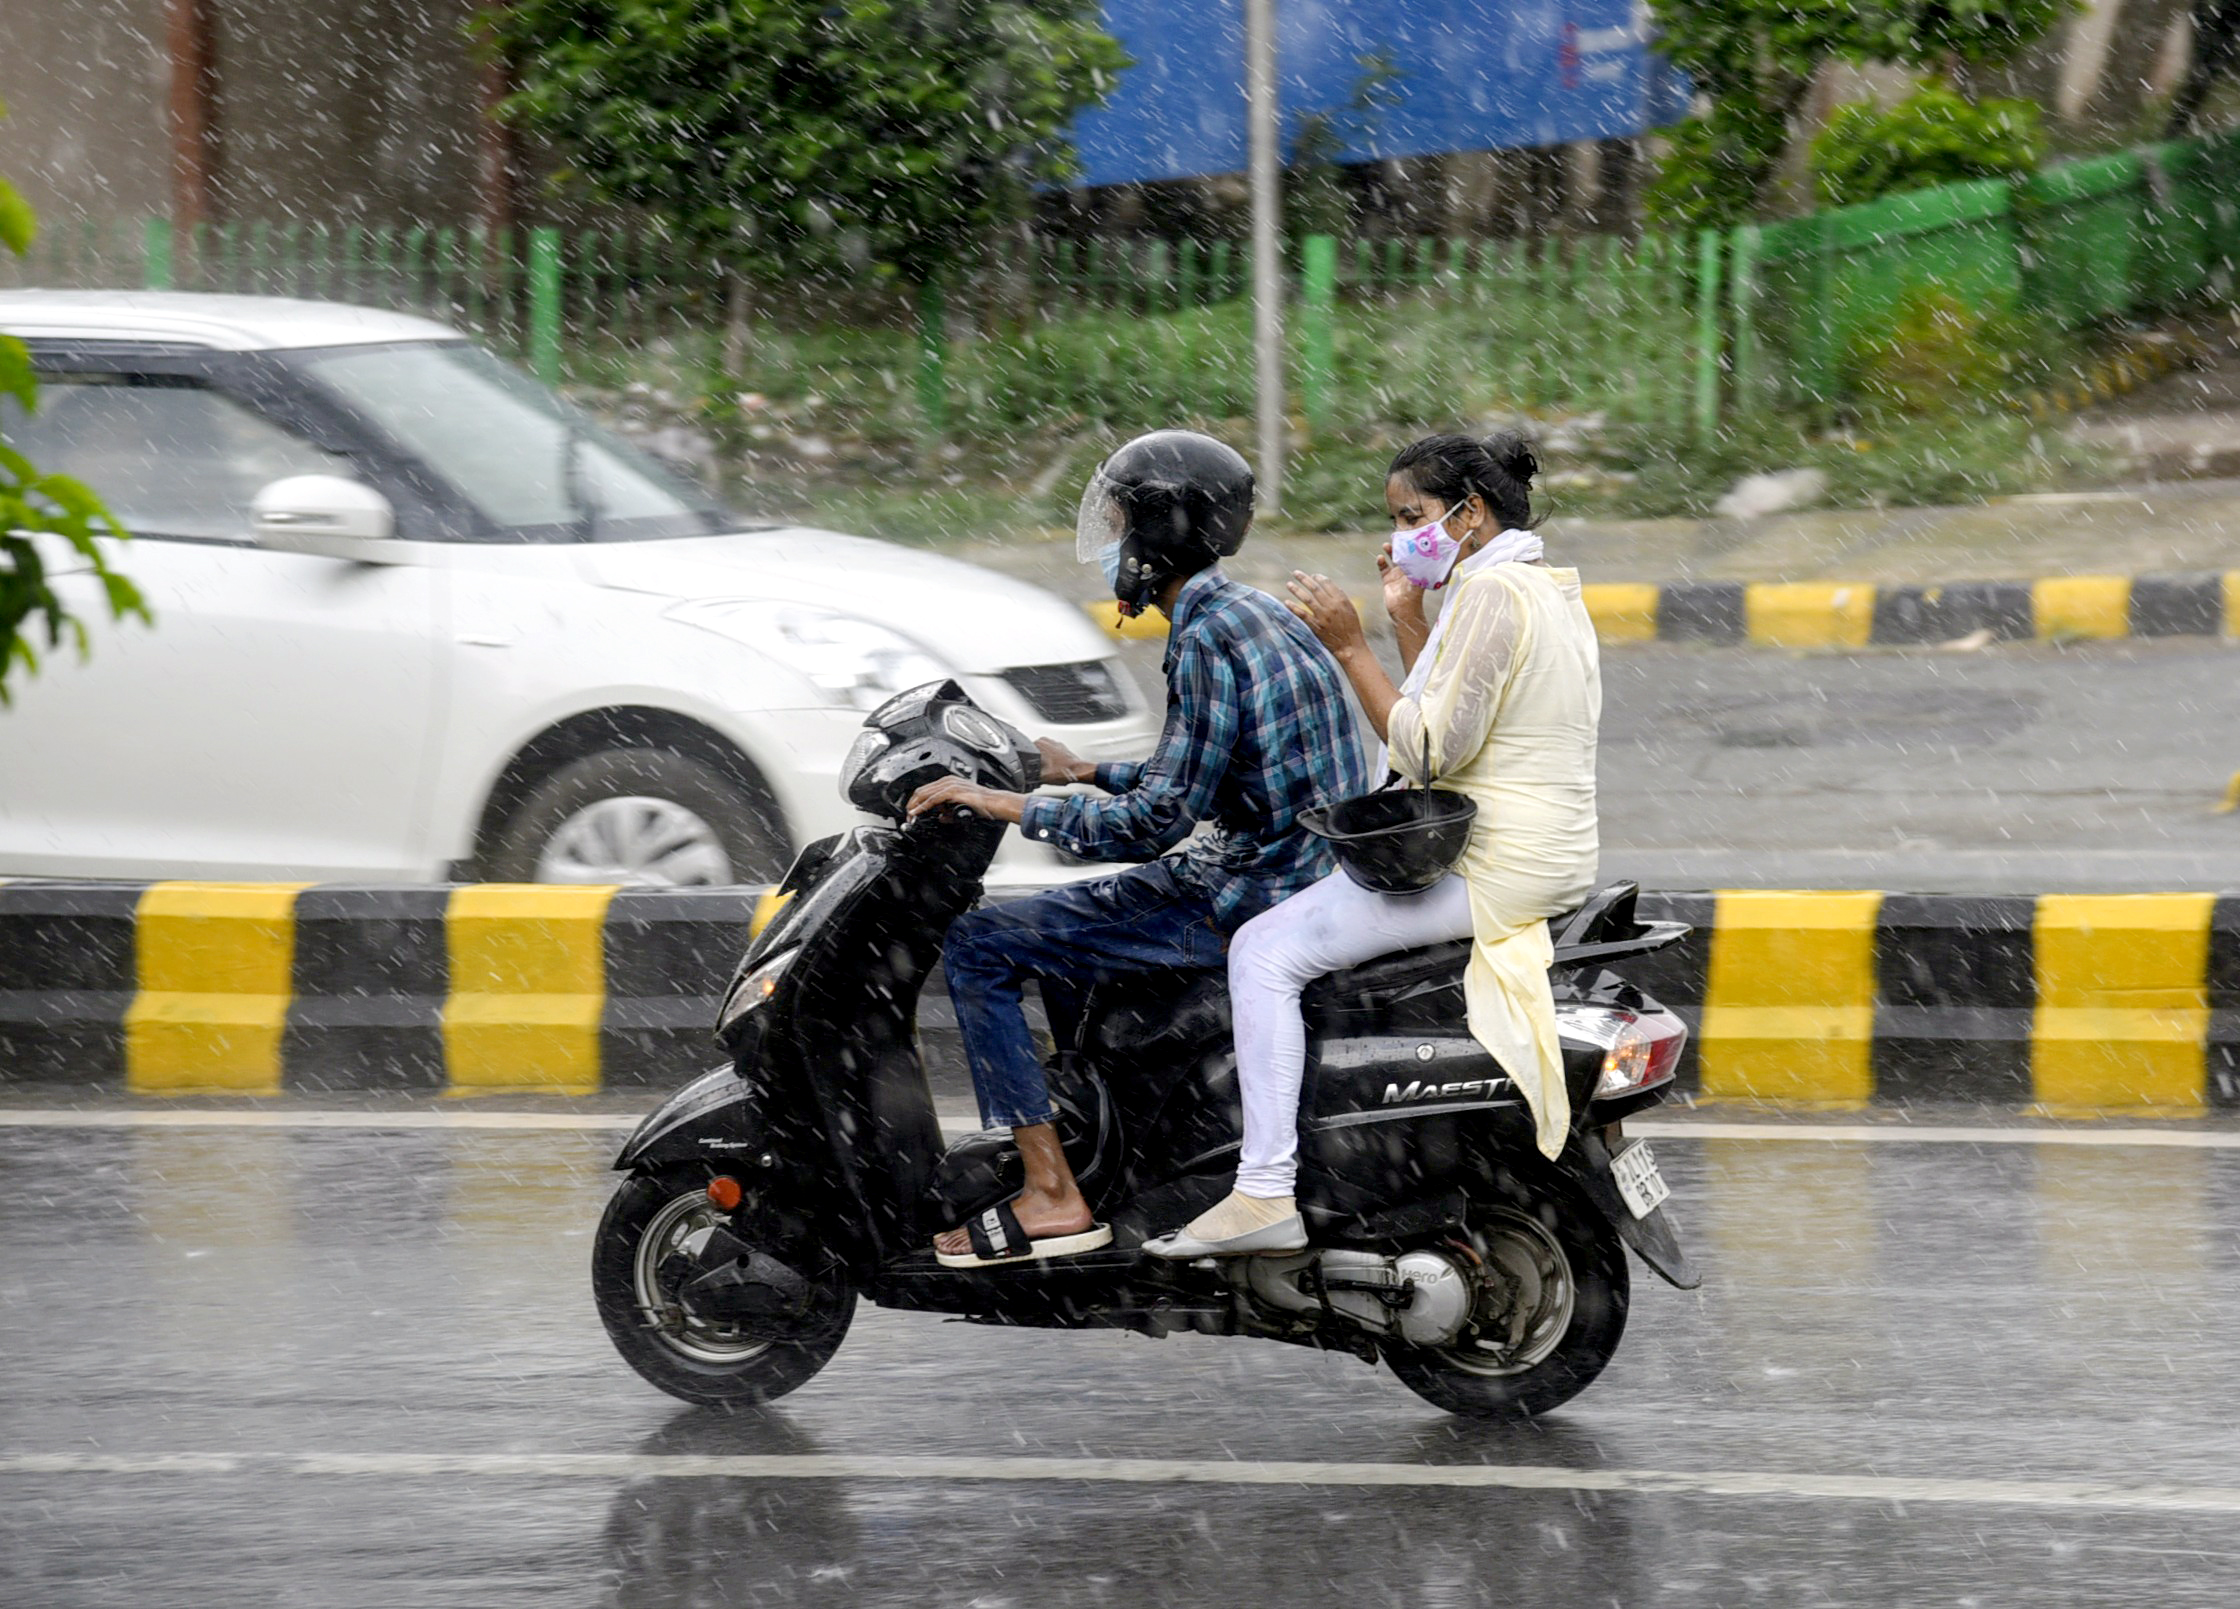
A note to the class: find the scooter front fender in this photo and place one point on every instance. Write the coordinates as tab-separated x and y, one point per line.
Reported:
1587	1164
716	1118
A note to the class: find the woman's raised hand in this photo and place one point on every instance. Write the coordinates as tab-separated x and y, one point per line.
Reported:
1403	599
1328	612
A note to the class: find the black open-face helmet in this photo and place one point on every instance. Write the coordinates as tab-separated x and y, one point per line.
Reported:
1167	504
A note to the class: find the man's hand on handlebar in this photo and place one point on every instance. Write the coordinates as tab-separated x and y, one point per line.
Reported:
1061	764
955	796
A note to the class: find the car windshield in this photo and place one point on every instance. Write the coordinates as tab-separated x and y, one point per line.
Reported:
534	468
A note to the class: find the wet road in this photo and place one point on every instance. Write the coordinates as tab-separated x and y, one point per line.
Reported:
344	1366
2018	769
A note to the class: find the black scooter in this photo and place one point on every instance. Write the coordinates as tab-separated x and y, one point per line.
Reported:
763	1198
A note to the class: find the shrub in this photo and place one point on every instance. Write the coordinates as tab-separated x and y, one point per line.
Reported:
1938	353
1932	137
1713	166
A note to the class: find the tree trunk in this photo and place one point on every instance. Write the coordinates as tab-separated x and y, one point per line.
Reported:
738	324
2216	50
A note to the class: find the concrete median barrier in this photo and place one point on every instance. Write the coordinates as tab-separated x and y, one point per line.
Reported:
1861	614
2067	1003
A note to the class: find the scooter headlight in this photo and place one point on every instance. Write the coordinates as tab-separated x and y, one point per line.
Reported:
753	990
870	743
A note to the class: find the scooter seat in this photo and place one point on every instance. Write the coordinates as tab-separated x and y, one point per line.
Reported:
1606	915
1390	974
1163	1012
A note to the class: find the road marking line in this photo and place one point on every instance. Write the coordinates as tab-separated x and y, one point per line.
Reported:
1892	1134
2078	1494
202	1118
2127	856
958	1121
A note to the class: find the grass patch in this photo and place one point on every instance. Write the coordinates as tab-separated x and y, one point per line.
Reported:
1336	485
824	428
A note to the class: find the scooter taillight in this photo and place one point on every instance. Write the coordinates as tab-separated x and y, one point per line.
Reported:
1642	1055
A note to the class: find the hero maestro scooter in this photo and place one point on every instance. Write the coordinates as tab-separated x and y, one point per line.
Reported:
764	1198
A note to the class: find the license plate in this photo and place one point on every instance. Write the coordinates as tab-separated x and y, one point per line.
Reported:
1639	1181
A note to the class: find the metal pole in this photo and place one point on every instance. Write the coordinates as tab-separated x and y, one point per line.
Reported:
544	304
1267	243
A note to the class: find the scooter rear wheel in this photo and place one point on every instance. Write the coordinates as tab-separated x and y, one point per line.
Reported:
1550	1311
649	1221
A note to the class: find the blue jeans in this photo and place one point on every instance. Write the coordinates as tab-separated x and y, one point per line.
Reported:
1143	920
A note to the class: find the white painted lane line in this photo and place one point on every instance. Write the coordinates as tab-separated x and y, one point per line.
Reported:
1892	1134
204	1118
1684	854
955	1122
2135	1497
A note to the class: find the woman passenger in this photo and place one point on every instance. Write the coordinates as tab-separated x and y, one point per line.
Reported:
1501	698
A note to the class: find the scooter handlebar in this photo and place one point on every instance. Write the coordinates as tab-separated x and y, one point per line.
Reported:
947	813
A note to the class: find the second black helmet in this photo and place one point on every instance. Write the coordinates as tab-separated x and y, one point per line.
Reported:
1167	504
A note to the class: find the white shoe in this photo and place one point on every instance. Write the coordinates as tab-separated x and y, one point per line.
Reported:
1237	1226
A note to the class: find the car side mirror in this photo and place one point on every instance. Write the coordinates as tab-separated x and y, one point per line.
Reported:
326	515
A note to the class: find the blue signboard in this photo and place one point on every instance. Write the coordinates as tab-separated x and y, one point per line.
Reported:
1393	77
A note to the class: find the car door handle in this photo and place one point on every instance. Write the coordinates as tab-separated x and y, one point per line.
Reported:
488	642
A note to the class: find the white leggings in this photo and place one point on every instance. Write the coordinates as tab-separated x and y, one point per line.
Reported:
1336	923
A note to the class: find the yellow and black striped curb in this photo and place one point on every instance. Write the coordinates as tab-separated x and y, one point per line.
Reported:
2069	1002
266	988
2114	374
1861	614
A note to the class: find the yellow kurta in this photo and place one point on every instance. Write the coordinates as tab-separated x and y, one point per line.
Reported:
1510	707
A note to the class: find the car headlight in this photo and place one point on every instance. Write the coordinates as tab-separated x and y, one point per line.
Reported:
753	990
857	664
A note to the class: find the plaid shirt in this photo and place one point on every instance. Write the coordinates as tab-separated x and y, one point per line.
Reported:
1258	729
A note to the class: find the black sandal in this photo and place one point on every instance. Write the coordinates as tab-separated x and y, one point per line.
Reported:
997	1238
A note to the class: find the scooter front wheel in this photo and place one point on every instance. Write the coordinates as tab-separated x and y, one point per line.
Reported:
646	1247
1550	1309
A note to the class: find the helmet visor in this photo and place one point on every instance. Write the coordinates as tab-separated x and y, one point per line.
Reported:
1100	522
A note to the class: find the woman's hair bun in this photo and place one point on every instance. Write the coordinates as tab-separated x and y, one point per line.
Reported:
1511	452
1498	467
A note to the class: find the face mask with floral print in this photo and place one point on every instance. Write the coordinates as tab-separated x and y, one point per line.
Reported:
1425	554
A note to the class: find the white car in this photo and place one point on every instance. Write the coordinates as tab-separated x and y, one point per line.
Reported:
417	619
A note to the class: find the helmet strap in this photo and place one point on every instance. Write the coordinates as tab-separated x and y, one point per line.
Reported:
1138	581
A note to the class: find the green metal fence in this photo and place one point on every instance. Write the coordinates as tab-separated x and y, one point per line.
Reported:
1057	329
1666	330
2117	237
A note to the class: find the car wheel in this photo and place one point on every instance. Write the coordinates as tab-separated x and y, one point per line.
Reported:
645	818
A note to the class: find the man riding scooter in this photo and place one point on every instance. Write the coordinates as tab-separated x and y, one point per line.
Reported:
1258	729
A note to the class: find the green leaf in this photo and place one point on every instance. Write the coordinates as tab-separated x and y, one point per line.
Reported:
18	225
17	378
46	504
